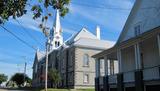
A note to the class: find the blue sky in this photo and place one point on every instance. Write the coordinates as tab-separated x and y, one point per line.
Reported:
110	15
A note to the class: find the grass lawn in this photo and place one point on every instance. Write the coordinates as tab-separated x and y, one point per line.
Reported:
68	90
56	90
49	89
85	90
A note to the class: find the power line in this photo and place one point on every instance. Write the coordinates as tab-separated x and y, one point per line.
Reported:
103	6
84	26
29	34
100	6
24	42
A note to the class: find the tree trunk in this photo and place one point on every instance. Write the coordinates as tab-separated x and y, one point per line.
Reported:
51	84
55	85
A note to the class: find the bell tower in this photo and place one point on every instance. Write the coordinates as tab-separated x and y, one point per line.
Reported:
56	38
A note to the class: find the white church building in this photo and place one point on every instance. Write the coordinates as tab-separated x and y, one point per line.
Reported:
72	58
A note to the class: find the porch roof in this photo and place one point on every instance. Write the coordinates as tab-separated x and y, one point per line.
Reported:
129	42
105	52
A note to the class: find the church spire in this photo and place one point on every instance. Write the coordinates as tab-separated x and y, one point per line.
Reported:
57	22
56	39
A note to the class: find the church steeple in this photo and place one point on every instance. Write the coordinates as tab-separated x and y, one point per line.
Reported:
56	33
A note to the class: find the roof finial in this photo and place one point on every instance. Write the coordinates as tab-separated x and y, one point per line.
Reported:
98	33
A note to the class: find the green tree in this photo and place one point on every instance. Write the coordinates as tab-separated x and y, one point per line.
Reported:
61	5
14	8
3	78
54	77
17	8
53	4
18	78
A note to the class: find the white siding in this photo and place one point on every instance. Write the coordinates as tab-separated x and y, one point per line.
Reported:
150	53
150	59
128	64
128	59
147	16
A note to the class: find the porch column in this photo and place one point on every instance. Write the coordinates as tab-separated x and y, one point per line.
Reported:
97	68
106	65
105	78
120	84
139	85
158	40
110	65
137	56
119	60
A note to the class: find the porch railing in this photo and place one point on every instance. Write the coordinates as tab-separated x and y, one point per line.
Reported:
112	79
101	80
151	73
128	76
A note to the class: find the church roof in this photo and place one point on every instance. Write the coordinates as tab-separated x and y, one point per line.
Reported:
84	38
83	33
40	55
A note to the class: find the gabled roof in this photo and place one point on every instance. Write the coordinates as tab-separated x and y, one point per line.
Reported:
130	18
84	33
38	56
86	39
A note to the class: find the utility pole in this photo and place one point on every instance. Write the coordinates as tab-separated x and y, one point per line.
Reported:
25	66
49	40
46	72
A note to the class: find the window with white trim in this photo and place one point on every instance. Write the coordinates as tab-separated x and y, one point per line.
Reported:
86	60
137	30
86	78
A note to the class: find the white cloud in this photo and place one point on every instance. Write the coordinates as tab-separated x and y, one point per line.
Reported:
32	24
113	19
27	22
125	4
69	31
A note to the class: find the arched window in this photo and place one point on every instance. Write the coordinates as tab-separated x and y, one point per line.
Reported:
58	43
55	43
85	78
86	60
